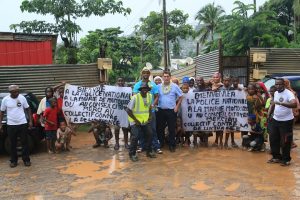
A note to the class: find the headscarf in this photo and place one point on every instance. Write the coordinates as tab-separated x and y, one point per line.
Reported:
185	79
264	88
158	77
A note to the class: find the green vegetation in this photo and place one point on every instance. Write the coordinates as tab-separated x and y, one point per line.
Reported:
275	24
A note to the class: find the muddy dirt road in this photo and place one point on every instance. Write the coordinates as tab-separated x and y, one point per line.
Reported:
189	173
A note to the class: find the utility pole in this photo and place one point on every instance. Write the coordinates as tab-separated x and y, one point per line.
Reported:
166	64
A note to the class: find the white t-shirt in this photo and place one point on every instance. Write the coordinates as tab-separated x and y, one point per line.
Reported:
15	109
282	113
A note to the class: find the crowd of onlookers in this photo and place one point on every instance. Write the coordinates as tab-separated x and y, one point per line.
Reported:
158	122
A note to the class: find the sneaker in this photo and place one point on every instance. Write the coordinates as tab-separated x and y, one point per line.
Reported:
159	151
273	160
285	163
139	150
133	158
250	149
13	164
151	155
27	163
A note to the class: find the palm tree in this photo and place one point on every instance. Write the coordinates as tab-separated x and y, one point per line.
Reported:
210	16
242	9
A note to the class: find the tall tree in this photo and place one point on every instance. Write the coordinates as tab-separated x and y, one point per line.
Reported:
65	14
260	30
124	51
209	18
151	26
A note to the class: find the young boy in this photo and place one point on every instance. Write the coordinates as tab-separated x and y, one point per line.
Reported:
227	86
255	140
102	133
50	119
63	134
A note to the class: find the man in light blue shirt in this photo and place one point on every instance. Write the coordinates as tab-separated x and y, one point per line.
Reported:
169	100
154	91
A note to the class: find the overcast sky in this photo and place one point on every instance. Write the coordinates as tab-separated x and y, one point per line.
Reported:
10	13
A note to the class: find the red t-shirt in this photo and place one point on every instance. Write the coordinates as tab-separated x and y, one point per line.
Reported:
51	115
59	104
59	107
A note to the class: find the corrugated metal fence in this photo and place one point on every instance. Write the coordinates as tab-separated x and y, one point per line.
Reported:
207	64
279	60
236	66
188	71
36	78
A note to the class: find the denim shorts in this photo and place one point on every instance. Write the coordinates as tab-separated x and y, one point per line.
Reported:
50	135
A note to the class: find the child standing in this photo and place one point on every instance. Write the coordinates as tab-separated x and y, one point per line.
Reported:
217	85
63	134
50	119
227	86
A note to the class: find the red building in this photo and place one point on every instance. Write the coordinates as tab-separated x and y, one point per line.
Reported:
26	49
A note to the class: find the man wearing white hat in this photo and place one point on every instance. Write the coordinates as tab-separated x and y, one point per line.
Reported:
15	105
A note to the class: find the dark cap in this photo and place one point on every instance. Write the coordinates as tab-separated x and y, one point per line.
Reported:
144	85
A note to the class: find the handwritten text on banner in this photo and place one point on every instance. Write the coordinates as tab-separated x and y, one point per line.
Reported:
106	103
215	111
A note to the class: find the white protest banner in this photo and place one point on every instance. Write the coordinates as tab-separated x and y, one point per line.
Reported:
103	102
215	111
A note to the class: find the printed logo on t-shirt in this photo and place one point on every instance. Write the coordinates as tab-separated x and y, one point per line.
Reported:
19	103
281	99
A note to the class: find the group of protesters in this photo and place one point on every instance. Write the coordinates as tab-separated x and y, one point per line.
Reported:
155	117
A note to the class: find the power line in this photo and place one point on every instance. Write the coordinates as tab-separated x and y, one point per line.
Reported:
138	15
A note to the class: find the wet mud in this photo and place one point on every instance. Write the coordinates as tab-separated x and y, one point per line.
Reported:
189	173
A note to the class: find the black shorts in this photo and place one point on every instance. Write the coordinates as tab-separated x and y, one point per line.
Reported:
50	135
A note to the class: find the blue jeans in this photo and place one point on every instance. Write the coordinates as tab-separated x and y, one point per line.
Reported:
138	131
155	142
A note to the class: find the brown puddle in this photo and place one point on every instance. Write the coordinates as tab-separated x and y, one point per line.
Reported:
88	172
201	186
186	172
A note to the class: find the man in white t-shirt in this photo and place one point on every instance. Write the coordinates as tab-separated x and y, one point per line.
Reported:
15	105
281	136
